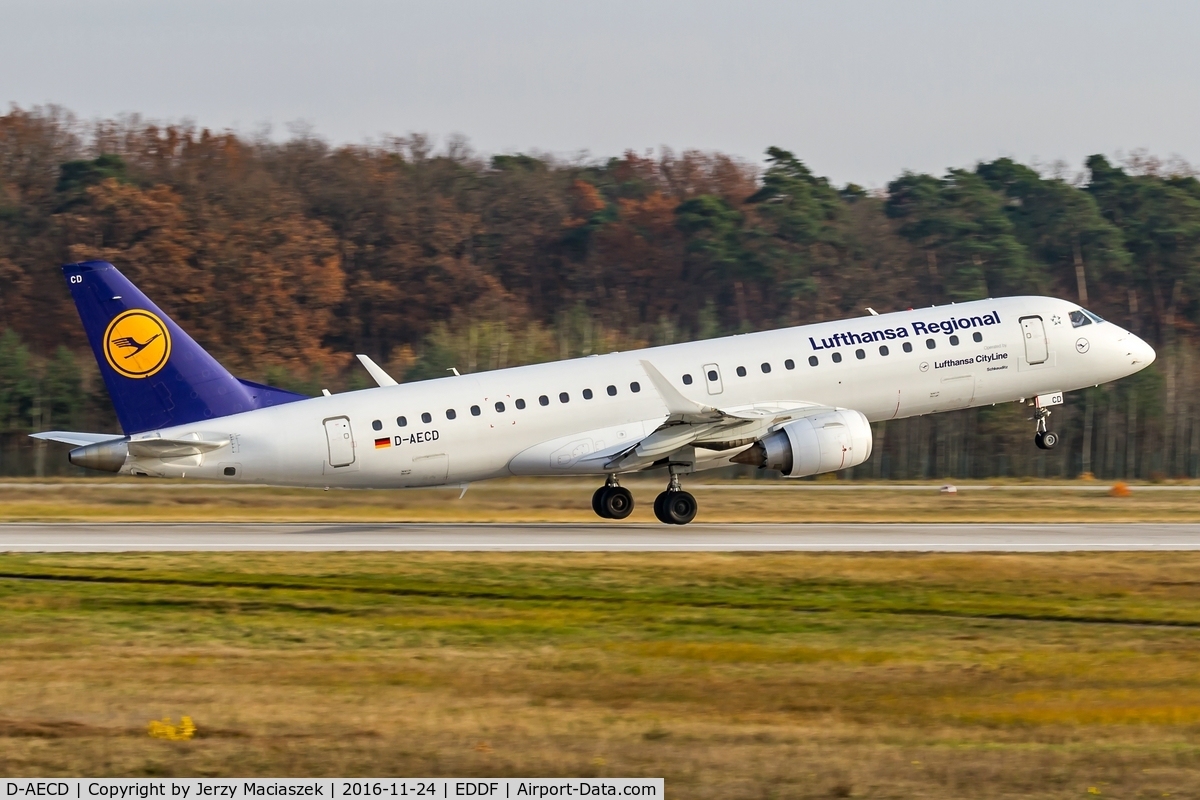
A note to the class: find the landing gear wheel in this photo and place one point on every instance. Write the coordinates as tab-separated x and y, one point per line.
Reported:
598	502
616	502
675	508
660	508
680	507
1046	439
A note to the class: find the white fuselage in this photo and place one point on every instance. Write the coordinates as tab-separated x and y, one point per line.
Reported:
357	439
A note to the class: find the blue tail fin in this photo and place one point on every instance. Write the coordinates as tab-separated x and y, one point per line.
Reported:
156	375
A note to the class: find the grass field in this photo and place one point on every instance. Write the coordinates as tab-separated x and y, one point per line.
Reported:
747	676
570	501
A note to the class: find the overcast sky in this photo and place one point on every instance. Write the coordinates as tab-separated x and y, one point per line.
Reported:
860	90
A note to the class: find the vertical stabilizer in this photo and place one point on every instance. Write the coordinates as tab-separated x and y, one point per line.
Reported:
157	376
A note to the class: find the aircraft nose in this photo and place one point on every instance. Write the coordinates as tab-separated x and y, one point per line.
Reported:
1140	352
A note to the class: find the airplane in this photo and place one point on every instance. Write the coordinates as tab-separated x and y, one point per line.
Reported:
799	400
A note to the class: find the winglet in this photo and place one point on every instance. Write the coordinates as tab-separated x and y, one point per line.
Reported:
680	408
381	377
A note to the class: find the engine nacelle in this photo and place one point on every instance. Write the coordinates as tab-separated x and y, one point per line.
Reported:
825	442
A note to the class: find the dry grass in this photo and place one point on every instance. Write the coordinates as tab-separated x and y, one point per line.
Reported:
781	675
516	501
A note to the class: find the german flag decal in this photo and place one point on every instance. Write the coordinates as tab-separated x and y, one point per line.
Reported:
382	443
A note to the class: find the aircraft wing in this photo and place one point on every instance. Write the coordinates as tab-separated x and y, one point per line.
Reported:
693	424
77	438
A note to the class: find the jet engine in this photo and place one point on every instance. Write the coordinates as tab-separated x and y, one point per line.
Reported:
824	442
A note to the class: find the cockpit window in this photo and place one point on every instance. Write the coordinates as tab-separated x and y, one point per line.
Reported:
1094	317
1079	319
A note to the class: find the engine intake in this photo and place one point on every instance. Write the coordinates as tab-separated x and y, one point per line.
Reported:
825	442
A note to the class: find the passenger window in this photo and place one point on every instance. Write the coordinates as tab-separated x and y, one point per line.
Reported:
401	421
377	425
712	375
612	391
907	347
977	336
741	372
930	343
837	358
520	403
587	394
860	354
687	380
635	387
475	411
813	361
766	367
426	417
883	350
789	364
450	413
499	408
954	340
543	400
1079	319
563	397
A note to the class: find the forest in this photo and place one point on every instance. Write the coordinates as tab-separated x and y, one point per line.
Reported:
284	258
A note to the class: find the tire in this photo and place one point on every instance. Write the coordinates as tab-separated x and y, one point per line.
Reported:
680	508
617	502
598	502
1037	439
1049	439
660	508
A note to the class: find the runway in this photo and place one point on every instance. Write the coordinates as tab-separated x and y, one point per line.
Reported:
611	537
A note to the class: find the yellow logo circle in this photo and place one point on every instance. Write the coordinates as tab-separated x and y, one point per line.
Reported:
137	344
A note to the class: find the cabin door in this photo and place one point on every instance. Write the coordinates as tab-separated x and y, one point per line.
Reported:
1037	350
341	442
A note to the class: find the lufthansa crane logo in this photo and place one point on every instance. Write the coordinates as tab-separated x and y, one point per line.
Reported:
137	344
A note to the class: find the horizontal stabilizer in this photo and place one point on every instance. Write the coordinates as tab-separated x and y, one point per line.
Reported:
76	438
173	448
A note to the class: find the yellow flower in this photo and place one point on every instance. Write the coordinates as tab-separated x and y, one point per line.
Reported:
164	729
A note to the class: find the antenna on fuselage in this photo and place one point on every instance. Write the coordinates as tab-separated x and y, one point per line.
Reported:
872	311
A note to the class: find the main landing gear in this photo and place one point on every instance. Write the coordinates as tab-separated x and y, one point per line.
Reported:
672	507
675	506
1043	438
612	501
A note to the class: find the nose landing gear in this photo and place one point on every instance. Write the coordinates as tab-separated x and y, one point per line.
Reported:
612	501
1043	438
675	506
